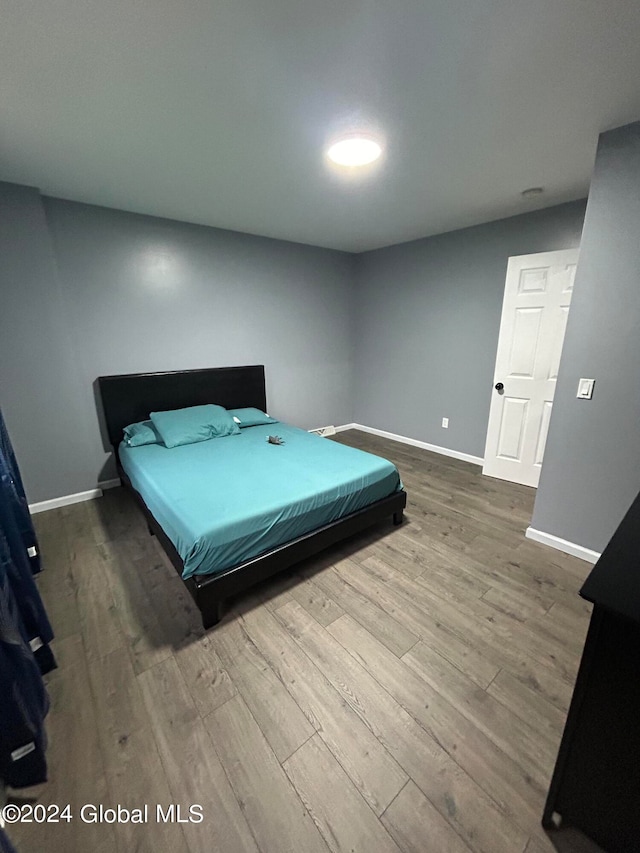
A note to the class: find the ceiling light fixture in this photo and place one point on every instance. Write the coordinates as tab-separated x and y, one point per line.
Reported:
532	192
354	151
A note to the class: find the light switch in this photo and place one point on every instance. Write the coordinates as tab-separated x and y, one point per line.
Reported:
585	389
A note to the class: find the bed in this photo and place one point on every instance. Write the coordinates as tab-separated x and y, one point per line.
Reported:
232	511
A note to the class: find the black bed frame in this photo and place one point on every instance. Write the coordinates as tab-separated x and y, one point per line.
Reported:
130	398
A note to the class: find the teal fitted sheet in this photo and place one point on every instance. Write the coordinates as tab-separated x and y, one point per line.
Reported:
229	499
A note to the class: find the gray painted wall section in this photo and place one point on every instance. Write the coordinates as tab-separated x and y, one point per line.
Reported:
427	323
394	339
143	293
591	470
39	385
138	293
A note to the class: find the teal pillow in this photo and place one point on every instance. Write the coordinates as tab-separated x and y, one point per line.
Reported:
135	435
197	423
250	417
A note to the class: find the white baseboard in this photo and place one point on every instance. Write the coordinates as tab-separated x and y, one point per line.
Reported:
78	497
562	545
109	484
434	448
65	500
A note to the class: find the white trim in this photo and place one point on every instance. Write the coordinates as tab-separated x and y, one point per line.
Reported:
78	497
324	431
109	484
65	500
434	448
562	545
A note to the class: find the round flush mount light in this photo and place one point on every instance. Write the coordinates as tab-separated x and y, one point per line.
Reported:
532	192
354	151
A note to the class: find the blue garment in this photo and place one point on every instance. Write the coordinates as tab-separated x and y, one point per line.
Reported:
9	469
33	623
16	530
24	699
5	844
24	636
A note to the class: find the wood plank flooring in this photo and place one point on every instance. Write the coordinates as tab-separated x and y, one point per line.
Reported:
403	692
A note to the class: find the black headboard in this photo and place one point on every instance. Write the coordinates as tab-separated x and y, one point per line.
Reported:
131	397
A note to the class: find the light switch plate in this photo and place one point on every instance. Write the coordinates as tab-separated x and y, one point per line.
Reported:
585	389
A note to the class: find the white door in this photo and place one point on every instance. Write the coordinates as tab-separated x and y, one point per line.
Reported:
536	303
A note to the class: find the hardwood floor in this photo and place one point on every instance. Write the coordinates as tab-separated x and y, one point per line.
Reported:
405	691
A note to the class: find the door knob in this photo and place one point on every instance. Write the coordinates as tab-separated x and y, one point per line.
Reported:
499	386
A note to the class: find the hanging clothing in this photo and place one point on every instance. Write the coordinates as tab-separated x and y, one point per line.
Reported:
33	622
19	506
24	699
15	533
5	844
25	633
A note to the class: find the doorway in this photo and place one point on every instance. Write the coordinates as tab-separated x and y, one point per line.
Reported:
535	309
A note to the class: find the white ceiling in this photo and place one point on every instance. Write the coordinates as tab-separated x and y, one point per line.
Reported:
217	111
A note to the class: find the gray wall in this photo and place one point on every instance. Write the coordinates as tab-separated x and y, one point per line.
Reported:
427	323
39	380
394	339
137	293
591	470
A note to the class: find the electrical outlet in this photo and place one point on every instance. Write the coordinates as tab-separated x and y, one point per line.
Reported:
445	423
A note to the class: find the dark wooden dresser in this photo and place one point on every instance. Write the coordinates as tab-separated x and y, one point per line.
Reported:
596	782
